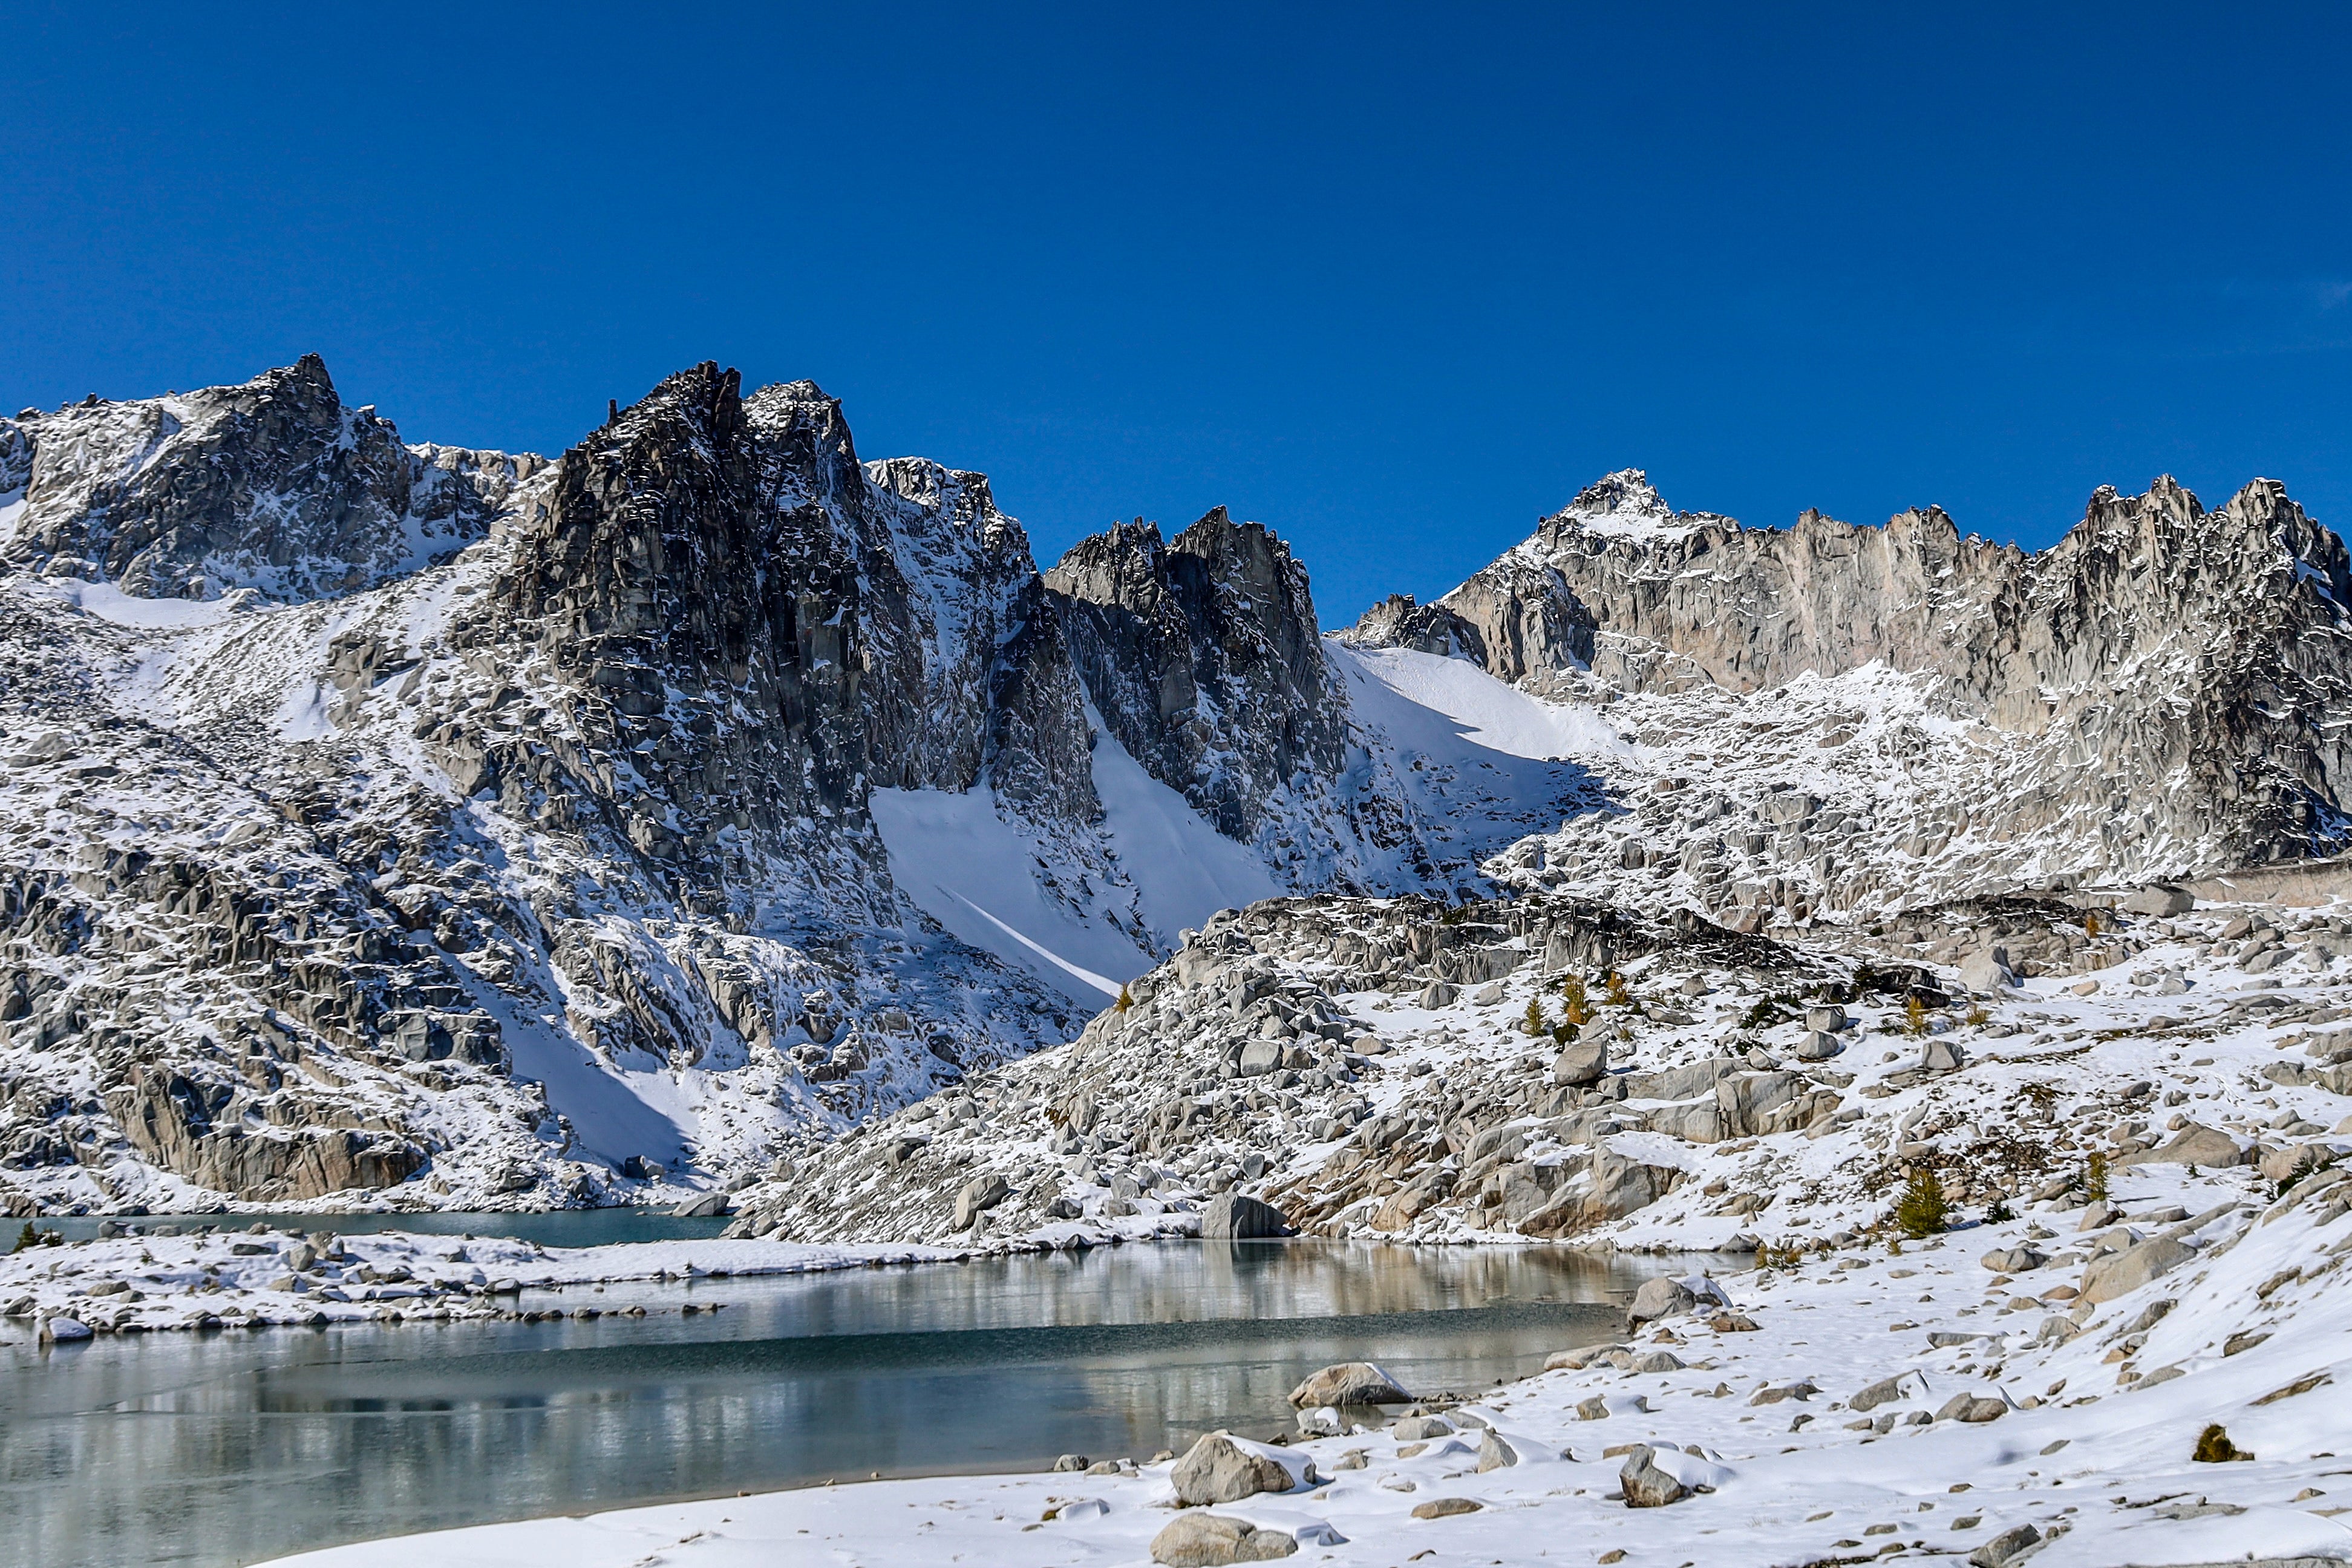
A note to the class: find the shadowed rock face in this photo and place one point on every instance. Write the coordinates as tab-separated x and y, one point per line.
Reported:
1201	655
273	485
758	627
2187	659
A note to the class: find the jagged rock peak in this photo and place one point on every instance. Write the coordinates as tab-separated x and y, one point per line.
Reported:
1625	505
273	485
1201	653
719	579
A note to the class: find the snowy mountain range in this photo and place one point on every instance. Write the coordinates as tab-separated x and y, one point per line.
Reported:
464	829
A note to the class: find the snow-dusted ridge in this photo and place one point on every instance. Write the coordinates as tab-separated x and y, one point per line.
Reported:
395	824
334	869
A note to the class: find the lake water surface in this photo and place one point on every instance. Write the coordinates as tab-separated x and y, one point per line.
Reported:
221	1449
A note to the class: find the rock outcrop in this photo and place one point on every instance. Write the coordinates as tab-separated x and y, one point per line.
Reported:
274	485
1203	656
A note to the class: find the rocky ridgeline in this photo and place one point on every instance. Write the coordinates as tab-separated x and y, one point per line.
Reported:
497	831
427	762
1921	714
1203	656
272	486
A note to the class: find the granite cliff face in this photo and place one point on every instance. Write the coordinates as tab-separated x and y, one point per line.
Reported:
2153	695
740	627
1203	657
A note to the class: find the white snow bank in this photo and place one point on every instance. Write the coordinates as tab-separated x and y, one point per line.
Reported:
157	1283
108	603
1486	711
981	874
976	874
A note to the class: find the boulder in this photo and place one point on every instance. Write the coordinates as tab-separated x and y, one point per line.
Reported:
1496	1453
1972	1407
2158	901
1940	1056
2013	1259
1070	1462
2005	1548
1818	1045
1420	1429
1660	1298
1237	1217
1219	1468
1647	1486
1581	1063
62	1331
2281	1163
1667	1298
1210	1539
2121	1273
1748	1104
1621	1185
1826	1017
1885	1391
703	1207
1438	994
1987	971
1349	1383
2206	1147
1261	1056
979	1195
1445	1507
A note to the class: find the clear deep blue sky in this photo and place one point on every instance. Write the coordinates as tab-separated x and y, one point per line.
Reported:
1394	281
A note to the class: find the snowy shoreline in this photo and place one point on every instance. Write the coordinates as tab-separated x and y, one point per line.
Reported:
265	1276
1952	1410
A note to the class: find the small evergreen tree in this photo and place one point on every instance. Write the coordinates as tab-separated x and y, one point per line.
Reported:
27	1237
1923	1210
2214	1447
2095	1178
1534	1024
1125	1001
1915	1014
1617	994
1578	1002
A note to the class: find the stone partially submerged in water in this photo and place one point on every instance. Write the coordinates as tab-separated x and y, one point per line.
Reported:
1237	1217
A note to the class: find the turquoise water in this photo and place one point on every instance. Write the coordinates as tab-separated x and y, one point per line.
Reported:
219	1449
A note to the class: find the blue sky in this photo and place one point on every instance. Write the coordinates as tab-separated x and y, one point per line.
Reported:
1395	281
